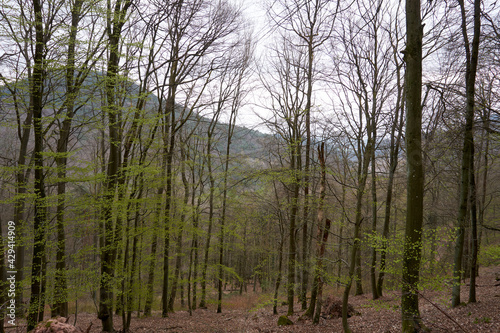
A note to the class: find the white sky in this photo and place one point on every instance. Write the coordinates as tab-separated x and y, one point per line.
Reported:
255	13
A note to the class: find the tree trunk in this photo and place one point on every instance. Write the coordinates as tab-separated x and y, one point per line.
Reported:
37	298
319	264
169	145
307	157
294	207
352	265
373	273
322	237
474	241
203	304
358	273
279	277
232	123
471	69
340	237
195	246
109	247
415	183
482	201
178	257
135	256
60	307
154	245
154	242
169	152
362	175
393	163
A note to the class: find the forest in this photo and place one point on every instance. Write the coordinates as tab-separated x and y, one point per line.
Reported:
247	166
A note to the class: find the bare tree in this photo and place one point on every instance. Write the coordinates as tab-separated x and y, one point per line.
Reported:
396	132
196	30
311	23
286	85
360	118
233	89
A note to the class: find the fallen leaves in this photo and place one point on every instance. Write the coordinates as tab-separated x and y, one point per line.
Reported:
382	315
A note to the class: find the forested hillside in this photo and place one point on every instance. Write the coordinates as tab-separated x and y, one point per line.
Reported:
133	184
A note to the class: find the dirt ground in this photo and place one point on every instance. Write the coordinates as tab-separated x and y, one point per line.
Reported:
382	315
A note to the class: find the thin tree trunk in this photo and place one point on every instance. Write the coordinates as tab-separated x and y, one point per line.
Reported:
169	145
341	236
167	219
203	304
178	257
280	269
319	264
135	261
362	176
322	237
474	242
279	277
482	202
193	262
195	246
352	265
232	124
305	264
190	271
393	163
373	273
122	296
358	274
471	69
126	298
293	219
154	245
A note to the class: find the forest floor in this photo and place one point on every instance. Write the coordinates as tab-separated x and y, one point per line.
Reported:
244	314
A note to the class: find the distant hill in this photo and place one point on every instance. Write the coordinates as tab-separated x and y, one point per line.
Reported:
88	107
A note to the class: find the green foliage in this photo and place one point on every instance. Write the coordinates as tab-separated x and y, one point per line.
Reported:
380	305
435	267
229	271
482	320
264	301
284	321
489	255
